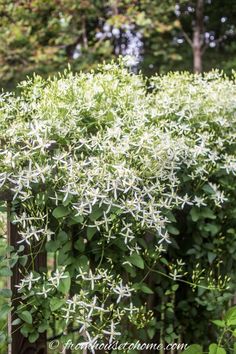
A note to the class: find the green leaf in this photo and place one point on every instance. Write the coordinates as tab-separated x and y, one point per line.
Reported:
80	245
230	315
151	332
78	219
9	249
13	260
171	216
130	269
212	228
60	212
208	213
164	261
82	262
231	322
6	293
175	287
26	317
2	337
136	260
5	308
43	327
24	330
21	249
52	246
145	289
96	213
16	322
33	337
194	349
62	237
211	256
219	323
195	214
142	287
64	285
214	349
208	189
23	260
68	200
56	303
63	258
5	272
172	230
91	231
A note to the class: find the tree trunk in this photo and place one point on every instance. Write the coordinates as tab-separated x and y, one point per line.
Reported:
198	34
84	33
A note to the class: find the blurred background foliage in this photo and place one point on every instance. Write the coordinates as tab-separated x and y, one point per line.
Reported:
43	36
157	36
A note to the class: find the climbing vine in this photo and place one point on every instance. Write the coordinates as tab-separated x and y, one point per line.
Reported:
127	185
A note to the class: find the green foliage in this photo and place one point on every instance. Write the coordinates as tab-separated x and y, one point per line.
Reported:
133	191
226	342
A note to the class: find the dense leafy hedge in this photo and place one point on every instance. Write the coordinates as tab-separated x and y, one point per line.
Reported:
131	185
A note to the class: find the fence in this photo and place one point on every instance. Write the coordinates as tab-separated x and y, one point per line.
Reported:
19	344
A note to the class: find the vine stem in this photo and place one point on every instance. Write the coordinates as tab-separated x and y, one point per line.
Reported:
182	280
221	337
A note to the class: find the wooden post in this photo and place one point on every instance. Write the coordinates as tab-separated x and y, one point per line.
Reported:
19	344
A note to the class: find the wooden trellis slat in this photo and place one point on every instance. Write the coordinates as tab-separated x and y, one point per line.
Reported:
19	344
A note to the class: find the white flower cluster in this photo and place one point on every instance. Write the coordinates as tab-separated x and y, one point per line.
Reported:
32	282
98	140
106	155
98	307
99	315
115	157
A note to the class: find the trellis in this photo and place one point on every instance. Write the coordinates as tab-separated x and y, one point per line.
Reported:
18	343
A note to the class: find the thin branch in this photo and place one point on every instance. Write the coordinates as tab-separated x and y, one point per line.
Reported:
186	36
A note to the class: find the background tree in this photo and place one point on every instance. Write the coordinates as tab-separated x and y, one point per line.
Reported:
178	33
43	36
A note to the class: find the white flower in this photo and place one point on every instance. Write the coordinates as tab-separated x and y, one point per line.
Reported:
199	201
44	292
67	315
127	232
28	281
85	322
164	237
122	291
3	178
57	276
175	275
90	277
31	232
185	200
68	190
90	343
131	309
112	332
23	219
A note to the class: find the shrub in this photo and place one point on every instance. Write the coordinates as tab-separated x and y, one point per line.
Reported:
130	184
